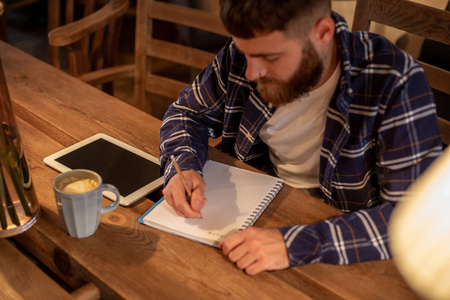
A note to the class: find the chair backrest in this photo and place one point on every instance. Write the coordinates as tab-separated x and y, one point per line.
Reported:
92	42
422	20
180	52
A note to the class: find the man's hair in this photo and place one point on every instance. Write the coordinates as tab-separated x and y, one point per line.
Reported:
246	18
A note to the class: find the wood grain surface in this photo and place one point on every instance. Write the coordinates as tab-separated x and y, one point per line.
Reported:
127	260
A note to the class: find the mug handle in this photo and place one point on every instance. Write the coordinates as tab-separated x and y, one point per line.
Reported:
113	189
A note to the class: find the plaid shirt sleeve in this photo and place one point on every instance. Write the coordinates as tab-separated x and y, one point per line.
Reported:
194	117
349	238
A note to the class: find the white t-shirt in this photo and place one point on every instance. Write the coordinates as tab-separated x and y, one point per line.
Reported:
294	135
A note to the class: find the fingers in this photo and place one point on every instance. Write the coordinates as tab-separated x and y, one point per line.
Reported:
255	250
175	194
232	242
238	252
198	200
176	198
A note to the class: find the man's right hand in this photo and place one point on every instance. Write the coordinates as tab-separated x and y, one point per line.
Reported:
175	194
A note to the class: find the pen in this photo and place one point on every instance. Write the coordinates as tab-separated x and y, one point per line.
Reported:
177	167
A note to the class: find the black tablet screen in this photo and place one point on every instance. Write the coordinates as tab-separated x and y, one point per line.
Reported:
117	166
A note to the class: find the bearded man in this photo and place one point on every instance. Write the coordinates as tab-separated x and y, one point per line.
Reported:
346	117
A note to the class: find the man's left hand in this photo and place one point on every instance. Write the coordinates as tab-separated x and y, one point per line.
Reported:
256	249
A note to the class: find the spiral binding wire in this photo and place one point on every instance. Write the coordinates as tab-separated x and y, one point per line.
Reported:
254	215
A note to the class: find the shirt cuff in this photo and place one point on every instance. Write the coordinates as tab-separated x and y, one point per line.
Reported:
186	161
302	243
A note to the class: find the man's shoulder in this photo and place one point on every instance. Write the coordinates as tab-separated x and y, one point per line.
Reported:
375	65
373	51
363	51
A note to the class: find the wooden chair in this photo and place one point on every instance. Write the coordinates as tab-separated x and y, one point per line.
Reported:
54	17
92	42
151	48
182	54
418	19
55	21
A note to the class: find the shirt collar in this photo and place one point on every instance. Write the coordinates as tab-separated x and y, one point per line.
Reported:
344	40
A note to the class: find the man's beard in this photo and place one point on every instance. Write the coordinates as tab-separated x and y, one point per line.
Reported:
305	77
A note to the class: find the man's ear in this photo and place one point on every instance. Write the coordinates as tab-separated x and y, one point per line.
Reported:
323	31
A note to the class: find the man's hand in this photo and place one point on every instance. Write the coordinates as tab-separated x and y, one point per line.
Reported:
175	194
255	250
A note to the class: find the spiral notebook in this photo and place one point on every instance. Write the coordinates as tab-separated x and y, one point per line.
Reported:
236	199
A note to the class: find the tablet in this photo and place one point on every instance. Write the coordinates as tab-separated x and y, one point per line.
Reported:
134	172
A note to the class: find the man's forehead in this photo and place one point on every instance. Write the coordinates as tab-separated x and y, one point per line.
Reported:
265	44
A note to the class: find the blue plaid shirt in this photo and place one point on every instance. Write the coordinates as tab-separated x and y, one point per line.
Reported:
381	133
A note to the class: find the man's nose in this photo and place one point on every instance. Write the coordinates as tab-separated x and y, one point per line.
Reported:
255	69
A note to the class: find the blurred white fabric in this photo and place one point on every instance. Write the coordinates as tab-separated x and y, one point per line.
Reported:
420	232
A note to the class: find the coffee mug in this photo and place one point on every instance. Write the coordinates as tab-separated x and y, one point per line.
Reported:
78	195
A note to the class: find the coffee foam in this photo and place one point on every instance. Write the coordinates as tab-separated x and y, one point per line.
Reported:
80	186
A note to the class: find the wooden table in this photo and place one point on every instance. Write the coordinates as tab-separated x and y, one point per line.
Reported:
128	260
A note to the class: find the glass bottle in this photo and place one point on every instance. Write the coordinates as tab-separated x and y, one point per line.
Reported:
19	207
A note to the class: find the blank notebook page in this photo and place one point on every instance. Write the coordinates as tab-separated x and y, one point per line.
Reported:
236	197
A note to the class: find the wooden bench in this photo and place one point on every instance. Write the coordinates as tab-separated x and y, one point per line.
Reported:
23	279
